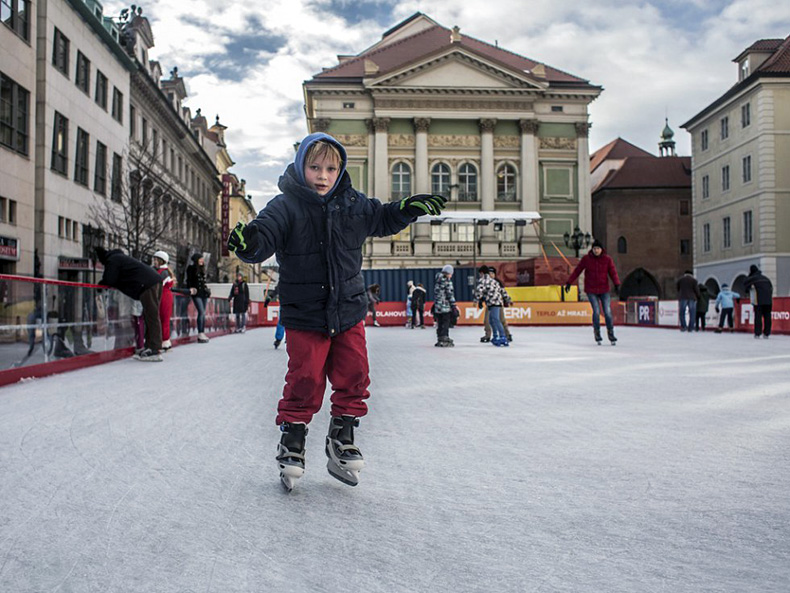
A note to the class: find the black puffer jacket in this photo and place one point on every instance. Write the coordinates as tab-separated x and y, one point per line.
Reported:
763	287
130	276
318	242
196	278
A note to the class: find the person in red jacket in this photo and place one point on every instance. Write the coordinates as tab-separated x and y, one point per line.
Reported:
598	267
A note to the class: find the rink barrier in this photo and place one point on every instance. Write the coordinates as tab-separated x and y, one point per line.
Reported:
53	326
651	312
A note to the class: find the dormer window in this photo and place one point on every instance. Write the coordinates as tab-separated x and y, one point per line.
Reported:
743	69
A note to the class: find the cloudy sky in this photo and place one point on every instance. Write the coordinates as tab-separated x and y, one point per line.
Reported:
246	61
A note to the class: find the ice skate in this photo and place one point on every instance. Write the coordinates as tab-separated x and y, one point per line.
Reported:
202	338
485	339
148	355
167	345
598	339
345	459
612	339
290	453
277	344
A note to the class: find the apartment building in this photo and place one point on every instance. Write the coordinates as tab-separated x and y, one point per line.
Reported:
741	182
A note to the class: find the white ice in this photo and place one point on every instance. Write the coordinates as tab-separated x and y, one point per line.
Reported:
660	464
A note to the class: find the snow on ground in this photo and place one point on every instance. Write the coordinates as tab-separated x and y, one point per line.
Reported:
555	465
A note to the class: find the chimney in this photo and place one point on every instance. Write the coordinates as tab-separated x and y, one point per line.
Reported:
539	71
455	36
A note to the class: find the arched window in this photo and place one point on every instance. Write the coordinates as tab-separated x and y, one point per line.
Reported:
440	180
506	184
622	245
401	181
467	180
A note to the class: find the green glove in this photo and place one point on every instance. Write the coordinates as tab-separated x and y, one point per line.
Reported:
244	239
422	204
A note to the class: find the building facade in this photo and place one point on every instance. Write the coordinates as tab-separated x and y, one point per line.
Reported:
95	143
169	151
741	184
642	215
429	110
17	143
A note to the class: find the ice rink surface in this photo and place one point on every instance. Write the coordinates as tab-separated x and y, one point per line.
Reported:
555	465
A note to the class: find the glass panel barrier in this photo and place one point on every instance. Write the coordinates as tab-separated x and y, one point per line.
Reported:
45	320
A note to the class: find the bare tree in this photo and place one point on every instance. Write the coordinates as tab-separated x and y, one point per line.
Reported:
133	213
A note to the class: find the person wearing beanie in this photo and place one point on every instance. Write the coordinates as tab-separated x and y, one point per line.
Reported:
688	295
598	268
762	301
444	306
196	281
139	282
725	305
316	227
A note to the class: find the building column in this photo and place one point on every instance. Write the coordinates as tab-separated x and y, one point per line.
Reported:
381	179
530	183
583	173
488	244
422	184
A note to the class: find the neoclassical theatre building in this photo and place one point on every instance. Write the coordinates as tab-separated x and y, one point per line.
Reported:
428	109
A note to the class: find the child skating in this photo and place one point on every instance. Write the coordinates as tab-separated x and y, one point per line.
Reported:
317	227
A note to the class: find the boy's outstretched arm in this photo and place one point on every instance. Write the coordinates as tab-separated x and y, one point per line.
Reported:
391	218
258	240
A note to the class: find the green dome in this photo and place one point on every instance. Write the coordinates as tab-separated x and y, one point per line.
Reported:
667	133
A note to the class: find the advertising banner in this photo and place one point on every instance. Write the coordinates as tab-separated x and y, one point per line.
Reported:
780	315
394	314
227	183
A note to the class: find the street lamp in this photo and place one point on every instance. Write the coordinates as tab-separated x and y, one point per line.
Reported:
577	240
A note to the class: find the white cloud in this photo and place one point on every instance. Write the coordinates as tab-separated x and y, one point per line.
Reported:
653	58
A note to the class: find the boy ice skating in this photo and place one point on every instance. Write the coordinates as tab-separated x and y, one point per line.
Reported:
317	227
725	304
444	306
598	267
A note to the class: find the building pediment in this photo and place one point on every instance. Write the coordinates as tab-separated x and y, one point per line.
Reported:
456	68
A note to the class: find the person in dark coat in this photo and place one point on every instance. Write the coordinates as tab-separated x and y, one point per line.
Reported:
141	283
418	306
317	227
703	303
598	268
374	298
688	295
763	301
196	279
240	297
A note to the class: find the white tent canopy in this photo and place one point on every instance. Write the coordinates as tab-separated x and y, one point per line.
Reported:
481	216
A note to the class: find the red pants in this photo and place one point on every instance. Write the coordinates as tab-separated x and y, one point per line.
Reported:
312	358
165	312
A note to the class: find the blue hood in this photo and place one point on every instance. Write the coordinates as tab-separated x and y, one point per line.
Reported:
305	145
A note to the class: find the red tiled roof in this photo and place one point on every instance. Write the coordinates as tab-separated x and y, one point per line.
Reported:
616	149
433	40
765	45
649	172
780	61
